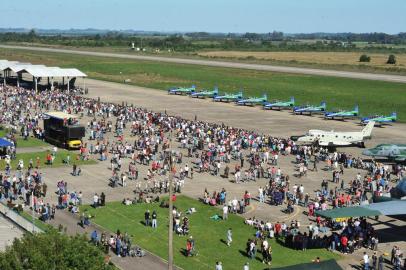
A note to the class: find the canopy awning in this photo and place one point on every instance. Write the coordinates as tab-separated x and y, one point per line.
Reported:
356	211
40	70
5	143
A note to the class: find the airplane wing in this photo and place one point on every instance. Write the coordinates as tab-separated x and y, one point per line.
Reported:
389	208
336	143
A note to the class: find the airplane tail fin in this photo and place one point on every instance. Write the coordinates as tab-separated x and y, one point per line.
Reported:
292	99
366	132
356	109
323	104
395	115
265	96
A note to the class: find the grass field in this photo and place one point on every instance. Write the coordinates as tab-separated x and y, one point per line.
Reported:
324	58
40	224
373	97
60	156
208	234
21	143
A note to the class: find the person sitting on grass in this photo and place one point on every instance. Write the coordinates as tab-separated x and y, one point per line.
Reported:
190	247
84	220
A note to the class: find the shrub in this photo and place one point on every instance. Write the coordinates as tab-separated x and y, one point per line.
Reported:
391	60
365	58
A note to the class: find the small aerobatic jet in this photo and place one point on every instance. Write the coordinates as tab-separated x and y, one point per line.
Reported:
342	114
182	90
251	101
380	119
395	152
229	97
310	109
205	93
280	105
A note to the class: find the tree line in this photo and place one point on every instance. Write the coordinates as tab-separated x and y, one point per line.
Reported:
273	41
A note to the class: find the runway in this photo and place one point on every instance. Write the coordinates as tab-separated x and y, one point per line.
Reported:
213	63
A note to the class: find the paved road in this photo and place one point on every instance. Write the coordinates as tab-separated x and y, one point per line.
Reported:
69	221
309	71
8	231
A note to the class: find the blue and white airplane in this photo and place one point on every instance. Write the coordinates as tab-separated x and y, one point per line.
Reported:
310	109
229	97
280	105
251	101
205	93
182	90
380	119
342	114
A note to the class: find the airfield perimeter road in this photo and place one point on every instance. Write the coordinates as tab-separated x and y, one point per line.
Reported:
284	69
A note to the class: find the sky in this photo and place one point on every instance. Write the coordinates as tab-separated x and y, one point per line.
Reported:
289	16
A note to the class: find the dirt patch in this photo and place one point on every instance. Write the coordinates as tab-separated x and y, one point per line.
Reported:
334	58
139	78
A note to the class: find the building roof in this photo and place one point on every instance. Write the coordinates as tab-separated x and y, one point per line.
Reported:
40	70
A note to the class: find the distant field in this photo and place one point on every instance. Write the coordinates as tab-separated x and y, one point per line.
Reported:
325	58
347	61
373	97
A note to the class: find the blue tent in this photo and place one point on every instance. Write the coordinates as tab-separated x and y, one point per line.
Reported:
5	143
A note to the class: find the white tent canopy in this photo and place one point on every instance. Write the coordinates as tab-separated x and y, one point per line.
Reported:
39	71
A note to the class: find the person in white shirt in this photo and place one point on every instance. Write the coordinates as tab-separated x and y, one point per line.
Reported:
261	194
229	236
366	261
186	170
95	200
225	212
235	203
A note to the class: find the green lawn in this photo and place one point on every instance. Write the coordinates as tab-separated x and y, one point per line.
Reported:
21	143
40	224
208	234
60	156
373	97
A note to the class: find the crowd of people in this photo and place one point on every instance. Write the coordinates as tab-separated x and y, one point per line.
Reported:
119	132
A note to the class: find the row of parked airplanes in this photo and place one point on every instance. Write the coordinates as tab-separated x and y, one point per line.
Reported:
282	105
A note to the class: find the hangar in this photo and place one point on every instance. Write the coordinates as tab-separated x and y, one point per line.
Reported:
17	72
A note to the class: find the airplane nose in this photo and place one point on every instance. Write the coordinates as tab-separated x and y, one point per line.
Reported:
366	153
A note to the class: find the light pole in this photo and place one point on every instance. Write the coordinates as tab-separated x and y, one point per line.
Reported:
33	213
170	232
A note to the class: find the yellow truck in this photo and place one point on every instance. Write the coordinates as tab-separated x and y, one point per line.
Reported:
63	130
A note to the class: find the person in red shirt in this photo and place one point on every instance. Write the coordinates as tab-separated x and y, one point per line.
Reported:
311	210
49	159
344	242
278	228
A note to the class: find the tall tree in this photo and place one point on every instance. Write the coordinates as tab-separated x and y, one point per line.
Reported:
52	250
